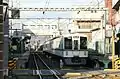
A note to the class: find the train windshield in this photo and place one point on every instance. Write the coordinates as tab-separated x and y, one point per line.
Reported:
75	44
68	42
83	42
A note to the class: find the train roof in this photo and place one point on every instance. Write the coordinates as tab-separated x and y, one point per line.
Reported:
52	39
66	35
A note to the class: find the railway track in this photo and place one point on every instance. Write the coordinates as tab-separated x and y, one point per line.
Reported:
45	71
40	69
39	63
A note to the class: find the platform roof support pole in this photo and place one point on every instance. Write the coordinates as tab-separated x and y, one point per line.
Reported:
6	38
1	40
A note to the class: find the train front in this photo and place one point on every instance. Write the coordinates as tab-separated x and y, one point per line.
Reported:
75	50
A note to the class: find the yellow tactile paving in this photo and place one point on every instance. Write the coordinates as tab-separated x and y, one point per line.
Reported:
107	74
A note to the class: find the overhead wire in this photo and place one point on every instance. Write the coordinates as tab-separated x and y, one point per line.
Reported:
46	5
42	21
31	1
90	3
48	22
99	3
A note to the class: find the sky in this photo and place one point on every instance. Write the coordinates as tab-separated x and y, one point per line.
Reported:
51	3
54	3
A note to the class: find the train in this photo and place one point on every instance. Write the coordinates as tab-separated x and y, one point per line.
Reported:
71	48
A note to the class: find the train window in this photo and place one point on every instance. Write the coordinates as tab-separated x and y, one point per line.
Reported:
75	44
68	43
83	43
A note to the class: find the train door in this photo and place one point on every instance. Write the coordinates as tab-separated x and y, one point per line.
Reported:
75	42
75	45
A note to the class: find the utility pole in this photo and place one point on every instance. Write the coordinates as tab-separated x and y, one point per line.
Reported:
113	33
59	26
108	4
104	26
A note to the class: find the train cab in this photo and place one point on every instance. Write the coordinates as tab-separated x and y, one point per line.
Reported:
75	49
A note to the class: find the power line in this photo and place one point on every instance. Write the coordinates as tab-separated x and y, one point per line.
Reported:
46	5
99	3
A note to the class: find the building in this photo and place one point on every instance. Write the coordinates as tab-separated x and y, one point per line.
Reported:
116	15
92	22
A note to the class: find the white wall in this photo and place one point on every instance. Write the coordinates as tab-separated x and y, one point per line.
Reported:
117	20
98	36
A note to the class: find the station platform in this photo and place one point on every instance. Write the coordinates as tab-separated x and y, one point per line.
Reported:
98	74
72	74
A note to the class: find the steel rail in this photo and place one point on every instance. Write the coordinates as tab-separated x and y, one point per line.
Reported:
37	66
49	67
